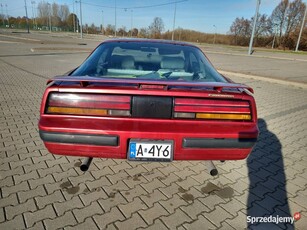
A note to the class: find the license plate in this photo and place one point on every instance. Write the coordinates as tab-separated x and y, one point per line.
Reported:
150	150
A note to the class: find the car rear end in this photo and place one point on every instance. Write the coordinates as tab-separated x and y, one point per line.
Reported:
148	100
187	123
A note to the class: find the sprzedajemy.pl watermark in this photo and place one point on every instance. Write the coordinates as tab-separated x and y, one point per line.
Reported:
273	219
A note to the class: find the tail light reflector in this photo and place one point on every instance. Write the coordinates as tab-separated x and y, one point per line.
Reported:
88	104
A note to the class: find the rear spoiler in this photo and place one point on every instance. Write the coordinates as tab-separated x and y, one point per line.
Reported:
84	81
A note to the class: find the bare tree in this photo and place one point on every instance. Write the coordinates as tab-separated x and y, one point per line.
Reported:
287	17
156	28
295	14
278	16
143	33
109	29
241	29
63	12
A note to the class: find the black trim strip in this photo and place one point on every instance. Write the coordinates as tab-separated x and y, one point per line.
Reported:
218	142
69	138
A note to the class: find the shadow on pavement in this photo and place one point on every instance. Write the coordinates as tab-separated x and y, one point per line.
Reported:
267	191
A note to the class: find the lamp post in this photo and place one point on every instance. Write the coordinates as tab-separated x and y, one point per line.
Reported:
27	16
131	22
73	16
254	27
102	22
81	25
33	18
49	6
174	21
7	15
302	27
2	14
214	34
81	20
115	18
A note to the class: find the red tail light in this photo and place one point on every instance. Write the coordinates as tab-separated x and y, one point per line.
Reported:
88	104
212	109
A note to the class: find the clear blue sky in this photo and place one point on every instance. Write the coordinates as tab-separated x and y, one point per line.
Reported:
198	15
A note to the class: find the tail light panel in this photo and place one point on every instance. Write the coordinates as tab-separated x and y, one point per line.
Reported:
210	109
88	104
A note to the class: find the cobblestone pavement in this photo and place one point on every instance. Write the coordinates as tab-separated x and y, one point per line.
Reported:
44	191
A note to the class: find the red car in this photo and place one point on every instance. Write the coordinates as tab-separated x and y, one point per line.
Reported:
148	100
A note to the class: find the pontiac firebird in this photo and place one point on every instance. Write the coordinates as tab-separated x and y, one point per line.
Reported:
148	100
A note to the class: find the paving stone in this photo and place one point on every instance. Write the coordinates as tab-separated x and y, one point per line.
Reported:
132	223
98	183
195	209
170	190
155	196
7	182
118	177
16	223
69	205
169	179
97	174
41	181
12	172
109	217
59	222
154	184
157	225
171	204
37	226
215	215
42	201
44	171
199	224
122	166
135	192
32	217
32	175
132	182
88	196
20	163
87	211
33	167
239	221
87	224
176	219
12	211
136	205
58	161
2	217
71	173
9	200
23	186
155	212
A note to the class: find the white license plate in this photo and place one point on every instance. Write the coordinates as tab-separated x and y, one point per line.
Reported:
150	150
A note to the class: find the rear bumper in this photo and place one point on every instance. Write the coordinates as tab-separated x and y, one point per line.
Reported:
80	139
110	139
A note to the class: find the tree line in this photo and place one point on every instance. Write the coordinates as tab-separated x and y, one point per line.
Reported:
279	30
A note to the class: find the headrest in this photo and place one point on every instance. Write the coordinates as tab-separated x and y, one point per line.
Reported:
172	63
128	62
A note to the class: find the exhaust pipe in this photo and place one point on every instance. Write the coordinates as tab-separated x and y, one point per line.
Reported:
211	168
86	164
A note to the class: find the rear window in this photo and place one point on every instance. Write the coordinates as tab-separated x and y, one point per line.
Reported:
149	60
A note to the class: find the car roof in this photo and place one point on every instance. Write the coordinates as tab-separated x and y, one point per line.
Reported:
145	40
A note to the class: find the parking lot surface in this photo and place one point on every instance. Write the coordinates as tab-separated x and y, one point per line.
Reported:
39	190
